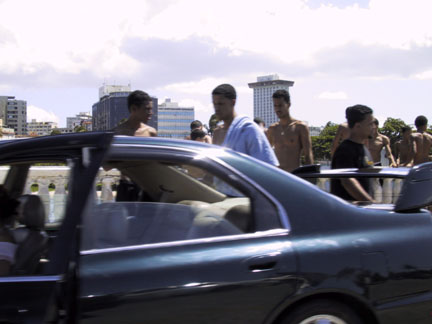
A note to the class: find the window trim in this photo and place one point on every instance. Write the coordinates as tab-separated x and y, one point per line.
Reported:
225	238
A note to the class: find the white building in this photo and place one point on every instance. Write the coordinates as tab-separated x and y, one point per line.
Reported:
174	121
106	89
13	112
40	128
263	90
82	119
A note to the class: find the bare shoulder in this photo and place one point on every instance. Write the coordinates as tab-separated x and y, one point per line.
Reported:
272	127
301	125
152	131
385	139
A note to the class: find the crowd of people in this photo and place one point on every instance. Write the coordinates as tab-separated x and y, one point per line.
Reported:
357	144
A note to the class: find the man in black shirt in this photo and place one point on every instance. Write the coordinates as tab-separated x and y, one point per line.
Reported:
352	153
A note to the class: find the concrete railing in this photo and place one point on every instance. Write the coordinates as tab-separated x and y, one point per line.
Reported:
57	176
385	192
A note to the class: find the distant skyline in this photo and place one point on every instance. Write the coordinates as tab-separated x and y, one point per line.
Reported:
56	54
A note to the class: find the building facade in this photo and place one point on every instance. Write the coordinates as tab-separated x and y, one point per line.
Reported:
112	108
83	119
40	128
174	121
263	90
13	113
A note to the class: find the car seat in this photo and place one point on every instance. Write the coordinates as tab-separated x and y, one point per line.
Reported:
30	236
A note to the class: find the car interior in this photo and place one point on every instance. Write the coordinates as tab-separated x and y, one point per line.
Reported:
166	202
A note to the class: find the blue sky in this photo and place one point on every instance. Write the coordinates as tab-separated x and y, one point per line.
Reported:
57	53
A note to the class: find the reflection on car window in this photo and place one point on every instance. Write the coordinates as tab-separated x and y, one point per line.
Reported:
152	202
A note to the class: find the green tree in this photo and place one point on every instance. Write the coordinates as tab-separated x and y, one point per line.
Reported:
321	144
392	128
55	131
79	129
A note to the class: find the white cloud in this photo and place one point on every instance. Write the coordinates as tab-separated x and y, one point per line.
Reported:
426	75
337	95
71	39
202	87
41	115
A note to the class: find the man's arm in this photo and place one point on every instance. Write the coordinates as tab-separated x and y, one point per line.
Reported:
386	142
356	190
270	136
306	144
397	153
217	136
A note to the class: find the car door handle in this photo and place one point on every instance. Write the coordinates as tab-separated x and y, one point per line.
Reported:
262	263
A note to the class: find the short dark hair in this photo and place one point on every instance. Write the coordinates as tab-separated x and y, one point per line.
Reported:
356	114
405	129
376	122
226	90
197	133
282	94
420	121
138	98
258	120
195	124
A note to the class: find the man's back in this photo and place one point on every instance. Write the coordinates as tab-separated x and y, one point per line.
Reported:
404	150
423	144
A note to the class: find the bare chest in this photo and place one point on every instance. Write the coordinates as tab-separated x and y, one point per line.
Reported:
287	135
376	144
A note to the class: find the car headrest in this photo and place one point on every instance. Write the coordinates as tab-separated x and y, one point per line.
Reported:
240	216
31	212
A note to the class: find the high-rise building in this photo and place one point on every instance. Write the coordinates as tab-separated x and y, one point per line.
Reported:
83	119
112	108
174	121
263	90
40	128
13	112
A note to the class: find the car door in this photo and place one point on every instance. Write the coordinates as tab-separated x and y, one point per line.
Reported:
231	277
46	296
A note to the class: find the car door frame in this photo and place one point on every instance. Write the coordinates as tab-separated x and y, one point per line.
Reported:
51	295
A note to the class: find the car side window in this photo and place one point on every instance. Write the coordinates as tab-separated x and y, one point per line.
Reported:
147	202
41	191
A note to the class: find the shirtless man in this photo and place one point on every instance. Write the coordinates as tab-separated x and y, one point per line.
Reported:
423	140
289	137
342	134
405	148
196	124
377	143
140	107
